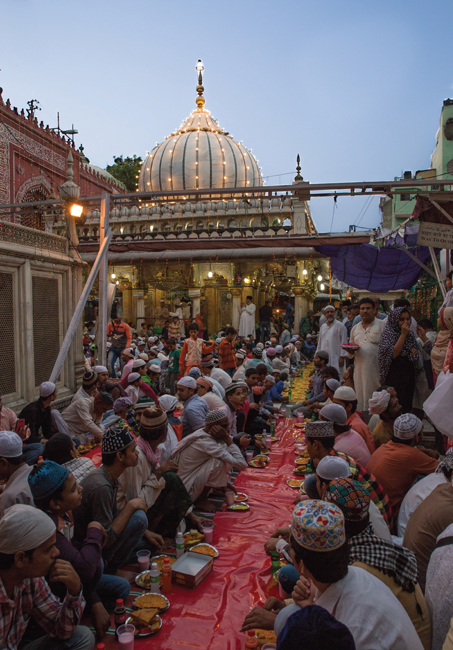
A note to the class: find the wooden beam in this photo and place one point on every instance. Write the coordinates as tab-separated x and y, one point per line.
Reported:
437	269
413	257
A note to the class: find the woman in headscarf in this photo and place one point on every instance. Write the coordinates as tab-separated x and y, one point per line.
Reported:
398	356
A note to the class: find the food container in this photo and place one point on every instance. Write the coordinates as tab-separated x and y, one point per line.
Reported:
191	568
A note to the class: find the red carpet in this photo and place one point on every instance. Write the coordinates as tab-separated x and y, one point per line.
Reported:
210	616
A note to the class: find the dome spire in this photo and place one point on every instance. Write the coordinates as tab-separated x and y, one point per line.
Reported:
200	100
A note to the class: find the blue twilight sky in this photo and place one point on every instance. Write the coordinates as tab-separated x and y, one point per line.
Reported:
355	87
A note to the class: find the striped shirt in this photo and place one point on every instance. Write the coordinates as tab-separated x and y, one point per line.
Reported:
227	354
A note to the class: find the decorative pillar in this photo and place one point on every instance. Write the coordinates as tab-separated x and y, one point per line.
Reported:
127	301
237	293
300	306
211	323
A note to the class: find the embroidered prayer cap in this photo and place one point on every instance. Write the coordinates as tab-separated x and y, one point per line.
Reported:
195	373
323	355
153	418
204	382
188	382
318	526
46	478
99	369
407	426
270	352
257	352
46	389
319	429
207	362
334	413
345	393
143	403
143	356
24	528
446	463
90	378
168	402
278	349
10	445
139	363
133	376
333	384
121	404
318	629
350	496
378	402
116	439
235	384
332	467
270	378
105	397
128	353
215	416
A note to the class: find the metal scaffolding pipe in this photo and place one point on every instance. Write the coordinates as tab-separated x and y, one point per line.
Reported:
223	254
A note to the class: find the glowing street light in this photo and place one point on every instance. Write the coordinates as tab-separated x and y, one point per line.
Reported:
76	210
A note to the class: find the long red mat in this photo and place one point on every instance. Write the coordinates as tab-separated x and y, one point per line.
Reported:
210	616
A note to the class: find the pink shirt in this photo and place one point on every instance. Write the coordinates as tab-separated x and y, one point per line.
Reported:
8	419
352	443
127	369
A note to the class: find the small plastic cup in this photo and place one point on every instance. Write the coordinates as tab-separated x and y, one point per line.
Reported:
300	417
126	637
269	440
208	531
229	496
249	455
143	559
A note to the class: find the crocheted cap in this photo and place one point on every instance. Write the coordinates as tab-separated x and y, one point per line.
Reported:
188	382
407	426
215	416
270	352
121	404
46	478
128	353
116	439
153	418
270	378
319	429
323	355
99	369
332	467
350	496
132	376
90	378
318	526
235	384
345	393
139	363
258	353
10	445
333	384
46	389
334	413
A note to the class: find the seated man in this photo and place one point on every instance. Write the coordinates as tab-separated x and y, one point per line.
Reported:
62	450
85	416
206	457
346	439
384	402
398	463
347	398
204	390
37	415
56	492
167	501
195	408
358	599
330	386
14	470
208	370
8	422
89	386
124	528
27	555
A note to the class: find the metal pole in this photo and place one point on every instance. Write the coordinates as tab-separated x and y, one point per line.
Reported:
103	281
437	270
79	309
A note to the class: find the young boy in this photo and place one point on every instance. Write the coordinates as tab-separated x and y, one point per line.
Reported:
173	365
56	492
227	360
193	351
173	328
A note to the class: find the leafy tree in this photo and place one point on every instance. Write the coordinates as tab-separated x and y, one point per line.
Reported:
126	170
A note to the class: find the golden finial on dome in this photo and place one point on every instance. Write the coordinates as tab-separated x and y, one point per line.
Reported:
200	100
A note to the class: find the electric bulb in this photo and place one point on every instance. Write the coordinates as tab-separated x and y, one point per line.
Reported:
319	278
305	272
210	274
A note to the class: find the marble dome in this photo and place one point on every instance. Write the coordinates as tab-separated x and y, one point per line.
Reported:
199	155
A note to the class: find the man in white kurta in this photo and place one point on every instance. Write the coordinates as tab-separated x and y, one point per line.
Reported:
332	336
367	334
205	458
247	320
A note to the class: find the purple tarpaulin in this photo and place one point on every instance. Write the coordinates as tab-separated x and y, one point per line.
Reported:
375	269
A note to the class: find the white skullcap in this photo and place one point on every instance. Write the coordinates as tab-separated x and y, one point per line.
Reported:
309	336
378	403
278	349
260	346
345	393
294	339
141	342
333	384
215	416
332	467
329	307
334	413
10	445
270	378
143	356
46	389
151	339
154	368
407	426
188	382
128	353
139	363
24	528
99	369
133	376
168	402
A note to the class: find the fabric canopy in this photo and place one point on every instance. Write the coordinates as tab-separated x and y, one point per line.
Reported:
375	269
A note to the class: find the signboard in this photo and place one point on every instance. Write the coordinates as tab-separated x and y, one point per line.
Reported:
436	235
194	293
138	294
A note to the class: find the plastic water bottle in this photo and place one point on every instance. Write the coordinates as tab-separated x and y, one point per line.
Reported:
166	576
179	543
251	641
154	578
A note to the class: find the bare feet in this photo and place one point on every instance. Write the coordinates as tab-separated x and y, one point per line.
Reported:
205	505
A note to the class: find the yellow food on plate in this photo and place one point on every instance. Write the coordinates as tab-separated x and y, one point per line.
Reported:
294	483
258	462
265	636
193	537
302	461
204	549
151	600
300	471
